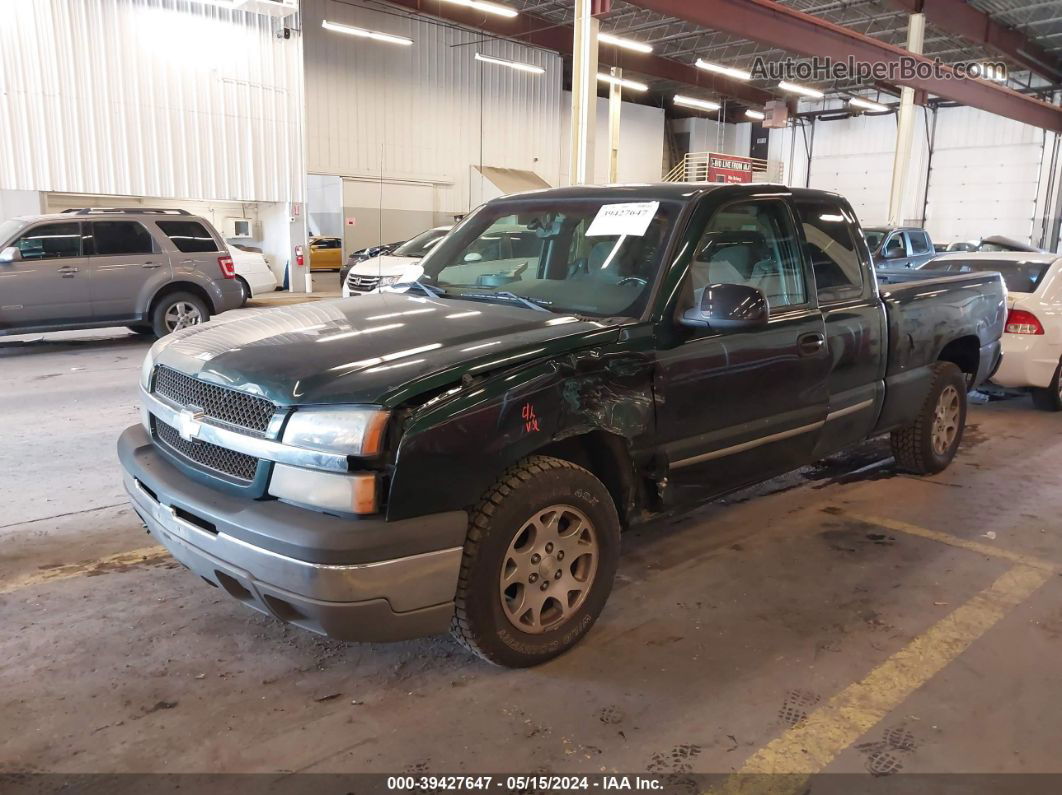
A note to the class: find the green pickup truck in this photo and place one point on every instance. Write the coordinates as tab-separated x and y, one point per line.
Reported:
461	451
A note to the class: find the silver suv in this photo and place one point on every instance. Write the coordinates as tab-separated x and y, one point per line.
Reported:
153	270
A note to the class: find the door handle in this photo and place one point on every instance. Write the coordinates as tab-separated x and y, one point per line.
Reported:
188	262
810	344
151	265
68	271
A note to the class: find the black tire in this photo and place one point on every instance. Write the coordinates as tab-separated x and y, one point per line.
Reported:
917	448
163	307
246	289
142	329
1050	398
525	492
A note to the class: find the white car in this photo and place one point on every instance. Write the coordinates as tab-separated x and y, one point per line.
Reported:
252	271
376	272
1032	338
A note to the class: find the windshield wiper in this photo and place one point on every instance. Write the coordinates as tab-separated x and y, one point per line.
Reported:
539	306
430	291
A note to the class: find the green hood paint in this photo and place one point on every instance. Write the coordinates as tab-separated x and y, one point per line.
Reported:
381	348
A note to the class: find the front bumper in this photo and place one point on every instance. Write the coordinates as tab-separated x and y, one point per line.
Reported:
271	556
1028	361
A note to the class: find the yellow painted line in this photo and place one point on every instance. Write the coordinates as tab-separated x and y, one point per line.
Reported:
955	541
811	745
87	567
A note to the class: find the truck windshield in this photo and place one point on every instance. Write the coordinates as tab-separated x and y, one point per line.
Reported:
596	257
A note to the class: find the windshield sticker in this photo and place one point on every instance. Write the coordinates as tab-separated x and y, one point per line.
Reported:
631	218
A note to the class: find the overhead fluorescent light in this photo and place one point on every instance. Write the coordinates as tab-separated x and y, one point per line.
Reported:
754	114
375	35
633	85
693	102
866	104
627	44
793	88
520	67
481	5
729	71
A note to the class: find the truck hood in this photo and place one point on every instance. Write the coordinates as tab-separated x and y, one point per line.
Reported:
380	348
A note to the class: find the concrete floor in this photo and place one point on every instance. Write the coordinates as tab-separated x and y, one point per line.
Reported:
843	618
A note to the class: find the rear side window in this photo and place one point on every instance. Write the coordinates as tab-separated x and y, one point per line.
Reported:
109	238
832	248
919	242
1020	277
188	236
51	241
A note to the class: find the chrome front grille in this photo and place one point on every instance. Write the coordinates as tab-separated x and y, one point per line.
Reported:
236	466
358	283
218	403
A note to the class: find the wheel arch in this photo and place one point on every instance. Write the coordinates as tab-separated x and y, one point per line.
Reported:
964	353
179	287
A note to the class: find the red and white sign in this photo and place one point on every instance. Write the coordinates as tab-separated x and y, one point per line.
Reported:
351	221
729	168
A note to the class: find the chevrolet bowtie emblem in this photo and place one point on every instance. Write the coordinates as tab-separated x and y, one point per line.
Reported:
188	423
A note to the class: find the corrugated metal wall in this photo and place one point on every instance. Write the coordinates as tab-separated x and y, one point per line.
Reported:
165	98
428	112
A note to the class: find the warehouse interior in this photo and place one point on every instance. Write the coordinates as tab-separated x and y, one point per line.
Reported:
790	611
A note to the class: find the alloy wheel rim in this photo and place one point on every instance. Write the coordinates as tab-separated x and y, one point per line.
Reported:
946	420
548	569
182	315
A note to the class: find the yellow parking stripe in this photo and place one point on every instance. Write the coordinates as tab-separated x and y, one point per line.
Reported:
811	745
114	562
955	541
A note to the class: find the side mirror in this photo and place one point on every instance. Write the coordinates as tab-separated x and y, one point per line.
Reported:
728	306
895	253
472	256
10	254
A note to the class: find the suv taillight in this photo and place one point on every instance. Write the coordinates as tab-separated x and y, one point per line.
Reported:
1021	322
228	270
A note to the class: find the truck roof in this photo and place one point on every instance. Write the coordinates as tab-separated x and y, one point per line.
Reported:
667	191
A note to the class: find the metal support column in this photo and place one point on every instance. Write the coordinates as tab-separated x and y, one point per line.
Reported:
916	28
584	94
615	101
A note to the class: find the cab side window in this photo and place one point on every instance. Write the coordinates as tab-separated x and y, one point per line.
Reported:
751	243
919	242
894	247
51	241
832	247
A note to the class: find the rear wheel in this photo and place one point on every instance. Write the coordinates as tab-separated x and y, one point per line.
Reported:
538	565
245	290
178	311
929	444
1050	398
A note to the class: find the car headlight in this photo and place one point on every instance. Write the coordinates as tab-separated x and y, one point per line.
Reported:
145	370
347	430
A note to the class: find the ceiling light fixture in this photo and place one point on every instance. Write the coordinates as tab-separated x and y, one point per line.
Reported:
693	102
627	44
794	88
729	71
520	67
754	114
335	27
633	85
866	104
490	8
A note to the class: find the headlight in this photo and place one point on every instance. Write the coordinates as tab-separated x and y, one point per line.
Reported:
345	430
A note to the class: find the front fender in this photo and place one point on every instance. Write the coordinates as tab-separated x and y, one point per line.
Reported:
453	451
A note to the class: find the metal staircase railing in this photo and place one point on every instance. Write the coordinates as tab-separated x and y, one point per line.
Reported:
694	168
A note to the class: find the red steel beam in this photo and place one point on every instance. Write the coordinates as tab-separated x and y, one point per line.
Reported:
962	19
540	32
771	23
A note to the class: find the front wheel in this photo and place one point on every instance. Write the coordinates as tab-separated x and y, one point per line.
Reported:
538	565
929	444
1050	397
